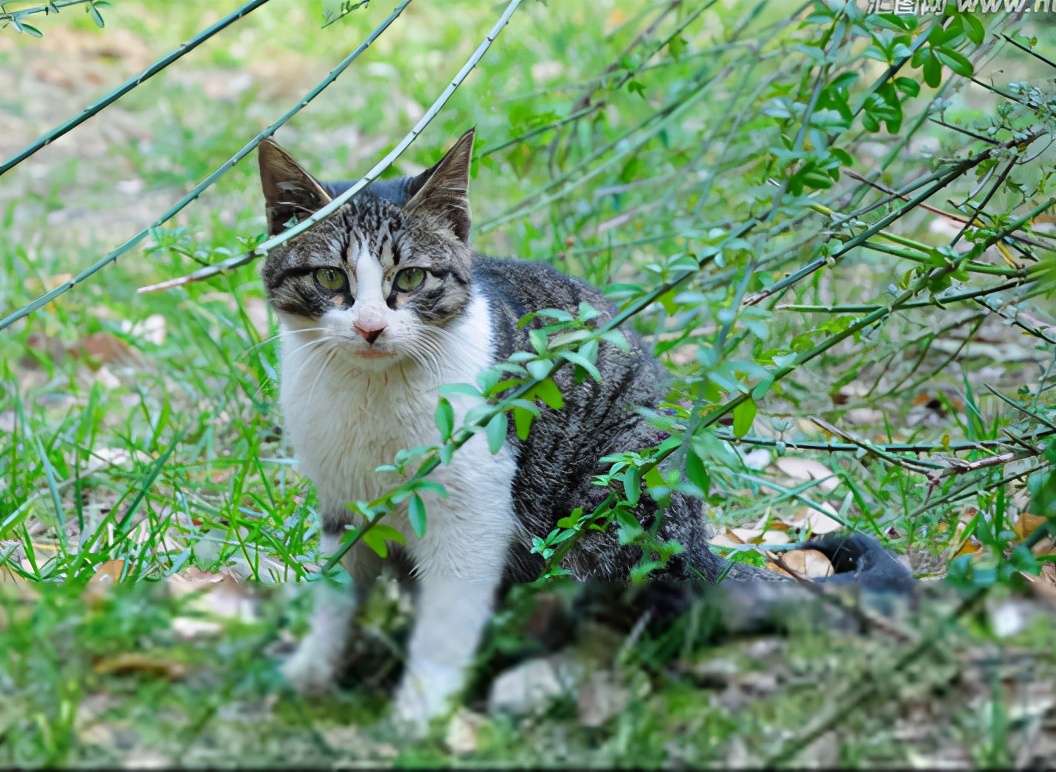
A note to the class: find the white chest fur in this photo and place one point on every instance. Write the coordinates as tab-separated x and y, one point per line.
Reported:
344	423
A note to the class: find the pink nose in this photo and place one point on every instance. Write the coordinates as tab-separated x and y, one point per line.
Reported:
370	330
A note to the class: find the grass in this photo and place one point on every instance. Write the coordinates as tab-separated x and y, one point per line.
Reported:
139	435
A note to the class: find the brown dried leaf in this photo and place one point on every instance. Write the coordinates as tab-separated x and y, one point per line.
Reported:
726	539
105	577
104	347
809	563
1027	524
817	522
222	596
799	468
130	662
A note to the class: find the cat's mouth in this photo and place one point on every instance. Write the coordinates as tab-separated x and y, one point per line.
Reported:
373	353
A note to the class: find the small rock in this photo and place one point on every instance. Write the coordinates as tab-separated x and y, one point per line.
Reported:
463	730
714	673
530	686
600	698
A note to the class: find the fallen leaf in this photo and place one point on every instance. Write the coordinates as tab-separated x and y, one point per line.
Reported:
726	539
799	468
1027	524
758	459
188	627
130	662
615	18
810	519
221	596
106	576
104	347
810	563
152	329
774	536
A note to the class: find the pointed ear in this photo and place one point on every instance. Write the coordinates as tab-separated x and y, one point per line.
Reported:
289	191
442	192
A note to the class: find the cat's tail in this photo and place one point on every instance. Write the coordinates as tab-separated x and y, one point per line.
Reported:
868	586
867	581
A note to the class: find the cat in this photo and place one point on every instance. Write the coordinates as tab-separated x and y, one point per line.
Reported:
379	304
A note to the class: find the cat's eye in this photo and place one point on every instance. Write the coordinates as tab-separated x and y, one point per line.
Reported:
409	279
331	279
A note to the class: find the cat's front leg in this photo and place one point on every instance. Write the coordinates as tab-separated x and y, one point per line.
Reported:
314	667
452	614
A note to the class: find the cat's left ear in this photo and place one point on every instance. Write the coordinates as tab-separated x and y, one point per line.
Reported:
441	193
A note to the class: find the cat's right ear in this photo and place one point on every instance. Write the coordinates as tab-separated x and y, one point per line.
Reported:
290	193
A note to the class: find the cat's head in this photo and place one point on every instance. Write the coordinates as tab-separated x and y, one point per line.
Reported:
381	278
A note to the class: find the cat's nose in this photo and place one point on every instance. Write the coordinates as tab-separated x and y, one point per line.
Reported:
370	332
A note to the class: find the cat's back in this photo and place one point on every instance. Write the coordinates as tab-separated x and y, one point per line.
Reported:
514	288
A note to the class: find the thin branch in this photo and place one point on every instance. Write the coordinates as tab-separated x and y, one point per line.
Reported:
48	8
1030	51
909	464
890	447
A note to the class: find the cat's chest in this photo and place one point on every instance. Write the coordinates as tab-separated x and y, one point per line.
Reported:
345	428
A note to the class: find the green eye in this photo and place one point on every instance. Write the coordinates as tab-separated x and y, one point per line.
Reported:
330	278
409	279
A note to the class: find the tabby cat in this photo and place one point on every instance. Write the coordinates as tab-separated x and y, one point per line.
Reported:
379	304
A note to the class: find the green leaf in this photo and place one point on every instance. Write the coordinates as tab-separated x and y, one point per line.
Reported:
957	62
549	393
452	389
632	485
907	86
378	537
539	368
96	16
28	29
932	71
676	47
416	515
743	417
376	543
973	29
696	472
497	428
522	421
616	338
582	361
445	419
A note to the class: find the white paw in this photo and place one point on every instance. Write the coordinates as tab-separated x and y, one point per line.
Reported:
309	670
425	693
411	713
